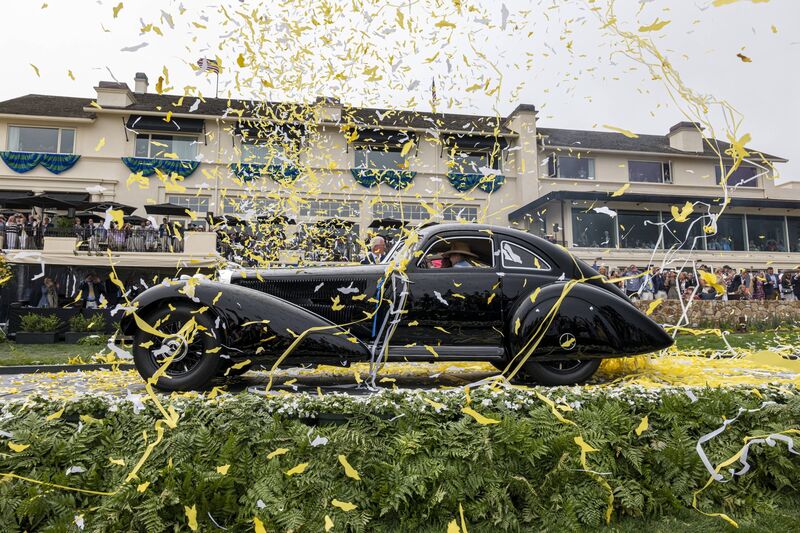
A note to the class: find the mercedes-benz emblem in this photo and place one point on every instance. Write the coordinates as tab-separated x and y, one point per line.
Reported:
567	341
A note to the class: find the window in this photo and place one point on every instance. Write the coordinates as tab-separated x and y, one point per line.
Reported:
43	140
158	146
198	204
794	234
405	211
233	205
579	168
593	230
331	208
378	159
455	213
742	177
687	235
472	163
638	229
475	252
729	234
264	152
648	172
515	256
766	234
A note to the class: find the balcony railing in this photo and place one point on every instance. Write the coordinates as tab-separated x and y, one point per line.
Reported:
94	239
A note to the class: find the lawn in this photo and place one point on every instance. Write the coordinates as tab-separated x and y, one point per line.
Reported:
12	354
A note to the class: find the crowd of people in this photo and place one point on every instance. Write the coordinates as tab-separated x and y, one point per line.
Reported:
19	231
130	236
653	283
91	292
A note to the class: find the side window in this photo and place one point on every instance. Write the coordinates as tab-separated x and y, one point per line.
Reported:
458	252
515	256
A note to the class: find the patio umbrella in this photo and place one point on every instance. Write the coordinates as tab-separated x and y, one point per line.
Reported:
44	201
166	209
104	206
276	219
386	223
134	219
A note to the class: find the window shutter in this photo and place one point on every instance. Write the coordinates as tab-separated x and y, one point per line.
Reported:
552	165
667	172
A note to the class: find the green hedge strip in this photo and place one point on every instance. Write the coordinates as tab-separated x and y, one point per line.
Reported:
416	464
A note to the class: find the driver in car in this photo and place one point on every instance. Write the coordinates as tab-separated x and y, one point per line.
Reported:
461	256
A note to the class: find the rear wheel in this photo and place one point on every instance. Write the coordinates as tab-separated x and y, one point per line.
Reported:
568	372
192	366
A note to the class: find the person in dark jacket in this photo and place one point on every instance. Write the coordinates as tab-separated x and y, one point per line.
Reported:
91	290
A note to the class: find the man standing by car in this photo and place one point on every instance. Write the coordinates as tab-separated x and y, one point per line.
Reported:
377	251
633	282
771	285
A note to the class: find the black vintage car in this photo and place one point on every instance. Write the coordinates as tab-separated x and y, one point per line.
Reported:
467	292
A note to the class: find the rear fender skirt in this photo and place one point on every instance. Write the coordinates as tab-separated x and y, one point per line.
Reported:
590	322
241	313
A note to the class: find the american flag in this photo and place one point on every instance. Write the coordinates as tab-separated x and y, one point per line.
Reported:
208	65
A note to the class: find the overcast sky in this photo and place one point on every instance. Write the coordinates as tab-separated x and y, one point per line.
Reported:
584	87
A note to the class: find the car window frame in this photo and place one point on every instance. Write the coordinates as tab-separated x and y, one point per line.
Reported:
451	237
542	260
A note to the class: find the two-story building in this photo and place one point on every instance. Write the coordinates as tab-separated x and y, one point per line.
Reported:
328	161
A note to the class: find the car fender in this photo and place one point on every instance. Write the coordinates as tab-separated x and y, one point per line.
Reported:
590	322
251	322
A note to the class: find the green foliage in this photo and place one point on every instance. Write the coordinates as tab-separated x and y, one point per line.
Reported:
91	323
416	465
93	340
33	322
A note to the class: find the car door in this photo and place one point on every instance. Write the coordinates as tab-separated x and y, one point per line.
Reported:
453	306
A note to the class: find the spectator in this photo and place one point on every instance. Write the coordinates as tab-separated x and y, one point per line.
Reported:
49	298
771	285
758	287
786	287
671	286
90	291
659	280
634	282
2	232
12	233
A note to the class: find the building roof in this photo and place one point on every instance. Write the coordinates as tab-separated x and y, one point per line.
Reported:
422	120
47	106
66	106
637	198
605	140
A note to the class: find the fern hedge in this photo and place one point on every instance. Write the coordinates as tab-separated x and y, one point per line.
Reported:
418	457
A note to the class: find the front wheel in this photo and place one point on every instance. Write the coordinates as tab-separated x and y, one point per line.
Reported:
568	372
195	359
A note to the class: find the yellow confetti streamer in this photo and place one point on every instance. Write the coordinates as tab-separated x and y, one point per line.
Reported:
643	426
479	418
623	131
621	190
299	469
223	469
191	517
277	452
349	471
344	506
328	523
258	525
655	26
683	214
653	305
18	447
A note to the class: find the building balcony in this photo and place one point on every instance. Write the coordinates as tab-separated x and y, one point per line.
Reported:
139	247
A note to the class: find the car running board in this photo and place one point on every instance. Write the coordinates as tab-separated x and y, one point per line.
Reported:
446	353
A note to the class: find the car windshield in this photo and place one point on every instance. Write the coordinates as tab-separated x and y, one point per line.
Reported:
393	251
